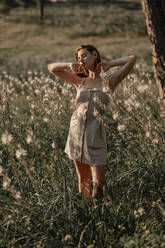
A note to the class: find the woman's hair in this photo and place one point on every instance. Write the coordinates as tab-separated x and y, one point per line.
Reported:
91	49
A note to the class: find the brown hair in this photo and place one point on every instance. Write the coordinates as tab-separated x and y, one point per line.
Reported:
91	49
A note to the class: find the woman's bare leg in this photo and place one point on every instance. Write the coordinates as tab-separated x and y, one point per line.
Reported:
83	173
98	178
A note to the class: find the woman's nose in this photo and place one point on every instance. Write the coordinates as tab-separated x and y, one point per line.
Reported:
81	60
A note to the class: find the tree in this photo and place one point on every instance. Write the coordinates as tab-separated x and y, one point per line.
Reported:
40	6
155	21
8	4
25	3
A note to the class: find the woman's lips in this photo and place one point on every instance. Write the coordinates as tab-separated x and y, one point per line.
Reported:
83	63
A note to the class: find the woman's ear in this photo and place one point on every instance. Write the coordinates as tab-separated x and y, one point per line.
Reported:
95	54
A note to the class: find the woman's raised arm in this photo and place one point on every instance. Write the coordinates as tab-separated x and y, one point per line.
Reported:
115	62
60	70
126	64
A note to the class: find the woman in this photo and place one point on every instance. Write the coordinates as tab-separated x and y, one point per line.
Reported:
86	143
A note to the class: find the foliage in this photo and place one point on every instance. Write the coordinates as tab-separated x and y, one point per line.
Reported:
39	202
120	33
16	3
121	19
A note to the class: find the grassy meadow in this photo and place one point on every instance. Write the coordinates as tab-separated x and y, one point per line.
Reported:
39	201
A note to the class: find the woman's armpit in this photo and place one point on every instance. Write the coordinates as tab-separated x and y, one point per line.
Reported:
113	80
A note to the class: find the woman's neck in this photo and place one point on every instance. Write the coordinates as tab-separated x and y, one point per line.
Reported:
93	74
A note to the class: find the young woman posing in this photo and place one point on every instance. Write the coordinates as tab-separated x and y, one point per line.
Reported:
86	143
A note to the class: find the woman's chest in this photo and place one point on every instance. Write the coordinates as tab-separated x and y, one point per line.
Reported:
92	97
93	84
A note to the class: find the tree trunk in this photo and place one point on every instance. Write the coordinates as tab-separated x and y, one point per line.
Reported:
40	6
155	21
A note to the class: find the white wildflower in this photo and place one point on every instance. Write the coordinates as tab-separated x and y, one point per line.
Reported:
6	182
69	86
1	170
9	216
6	138
20	153
129	108
29	72
150	81
153	204
128	102
148	108
37	92
64	91
68	237
130	243
133	97
121	227
18	195
142	88
29	139
141	211
155	141
121	128
148	134
48	112
137	105
53	145
46	120
115	116
136	214
90	246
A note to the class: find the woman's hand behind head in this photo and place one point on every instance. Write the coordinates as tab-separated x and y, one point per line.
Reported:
79	69
75	67
98	68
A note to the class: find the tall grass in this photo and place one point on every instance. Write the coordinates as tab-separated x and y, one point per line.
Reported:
116	27
39	203
81	19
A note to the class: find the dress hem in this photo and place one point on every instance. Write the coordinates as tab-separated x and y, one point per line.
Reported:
88	163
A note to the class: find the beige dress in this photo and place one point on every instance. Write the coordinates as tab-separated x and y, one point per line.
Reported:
87	137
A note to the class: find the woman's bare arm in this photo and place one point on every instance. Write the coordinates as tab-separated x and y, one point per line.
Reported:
116	77
60	70
115	62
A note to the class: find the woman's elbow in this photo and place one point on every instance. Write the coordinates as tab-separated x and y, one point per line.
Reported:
53	68
50	68
133	58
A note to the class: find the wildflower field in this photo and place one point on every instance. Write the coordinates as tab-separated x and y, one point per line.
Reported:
39	203
40	206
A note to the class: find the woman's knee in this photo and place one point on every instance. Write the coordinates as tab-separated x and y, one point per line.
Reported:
83	172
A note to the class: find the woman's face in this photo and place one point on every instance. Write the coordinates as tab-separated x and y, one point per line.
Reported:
86	58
